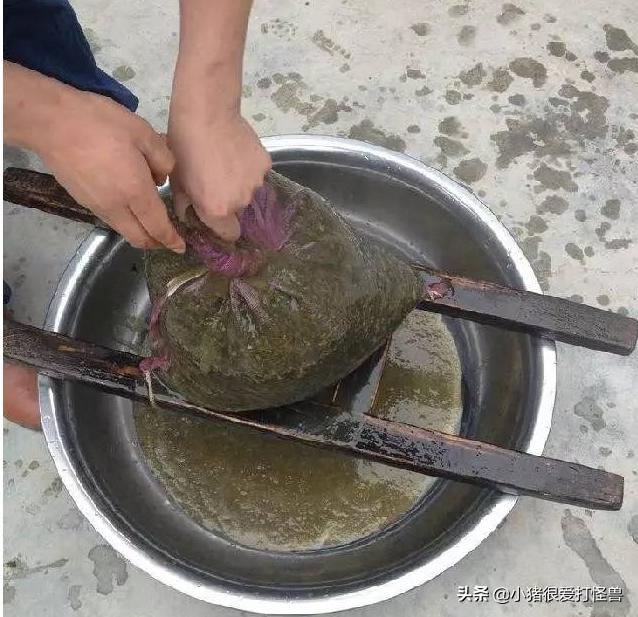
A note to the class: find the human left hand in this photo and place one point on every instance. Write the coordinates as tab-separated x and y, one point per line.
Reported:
219	164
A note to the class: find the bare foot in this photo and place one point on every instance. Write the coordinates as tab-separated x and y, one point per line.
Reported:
20	401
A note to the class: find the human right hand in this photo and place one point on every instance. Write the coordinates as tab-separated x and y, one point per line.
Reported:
109	159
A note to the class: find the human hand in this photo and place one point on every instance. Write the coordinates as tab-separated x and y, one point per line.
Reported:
220	163
109	159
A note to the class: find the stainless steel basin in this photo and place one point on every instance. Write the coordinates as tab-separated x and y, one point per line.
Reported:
509	388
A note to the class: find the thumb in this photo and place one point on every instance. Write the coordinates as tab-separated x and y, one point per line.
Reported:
180	199
160	159
226	226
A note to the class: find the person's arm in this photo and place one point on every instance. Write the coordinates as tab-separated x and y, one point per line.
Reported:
220	160
106	157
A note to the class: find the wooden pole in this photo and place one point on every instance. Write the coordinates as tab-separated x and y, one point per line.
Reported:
323	426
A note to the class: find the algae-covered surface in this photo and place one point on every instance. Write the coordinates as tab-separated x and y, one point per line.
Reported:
301	302
272	494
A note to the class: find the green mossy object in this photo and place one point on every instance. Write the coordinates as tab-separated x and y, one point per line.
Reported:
329	298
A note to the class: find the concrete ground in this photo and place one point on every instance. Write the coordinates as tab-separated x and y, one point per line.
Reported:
534	106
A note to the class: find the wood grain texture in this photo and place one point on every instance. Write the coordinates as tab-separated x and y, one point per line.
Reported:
42	192
545	316
324	426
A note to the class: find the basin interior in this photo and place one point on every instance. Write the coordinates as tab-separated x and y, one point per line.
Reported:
501	395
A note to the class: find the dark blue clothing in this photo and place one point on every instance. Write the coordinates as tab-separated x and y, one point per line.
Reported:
44	35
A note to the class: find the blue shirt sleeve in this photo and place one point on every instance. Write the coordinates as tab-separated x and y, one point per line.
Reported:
45	35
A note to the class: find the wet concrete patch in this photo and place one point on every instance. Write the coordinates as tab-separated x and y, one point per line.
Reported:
328	113
326	44
73	520
536	225
470	170
540	260
554	179
367	131
566	124
575	252
52	491
537	135
588	409
450	147
124	73
501	80
453	97
622	65
556	48
474	76
108	568
618	39
580	540
420	29
616	243
451	126
93	40
611	209
509	13
529	68
466	35
602	56
458	9
287	96
414	73
280	28
587	118
554	204
74	597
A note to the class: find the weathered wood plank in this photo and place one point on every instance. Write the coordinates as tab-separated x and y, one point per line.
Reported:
42	192
319	425
546	316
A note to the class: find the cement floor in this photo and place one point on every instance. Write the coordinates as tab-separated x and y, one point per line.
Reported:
534	106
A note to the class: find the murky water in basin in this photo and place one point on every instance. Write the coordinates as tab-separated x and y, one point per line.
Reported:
267	493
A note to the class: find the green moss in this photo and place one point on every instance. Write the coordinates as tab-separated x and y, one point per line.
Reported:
328	299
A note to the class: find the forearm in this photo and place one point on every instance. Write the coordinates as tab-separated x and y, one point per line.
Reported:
211	49
31	102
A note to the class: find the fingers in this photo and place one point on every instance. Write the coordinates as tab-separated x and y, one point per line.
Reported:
126	224
151	213
222	215
160	159
226	227
180	200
